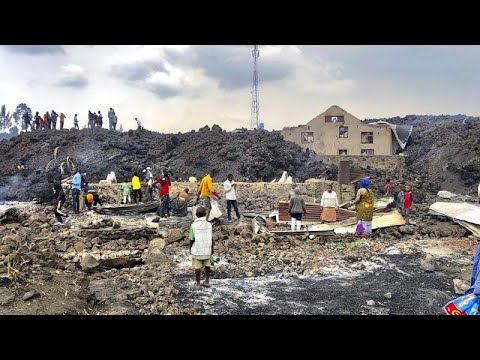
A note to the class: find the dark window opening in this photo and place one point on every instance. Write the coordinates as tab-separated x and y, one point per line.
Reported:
334	119
367	152
367	137
343	132
342	152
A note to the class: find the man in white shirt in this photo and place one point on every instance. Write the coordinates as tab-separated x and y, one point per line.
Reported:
230	194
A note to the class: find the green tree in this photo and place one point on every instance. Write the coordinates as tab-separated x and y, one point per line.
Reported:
5	118
19	111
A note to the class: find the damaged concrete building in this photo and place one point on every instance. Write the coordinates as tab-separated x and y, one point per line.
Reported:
337	132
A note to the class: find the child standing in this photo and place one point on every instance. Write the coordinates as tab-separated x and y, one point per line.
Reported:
126	187
388	188
201	246
407	202
398	196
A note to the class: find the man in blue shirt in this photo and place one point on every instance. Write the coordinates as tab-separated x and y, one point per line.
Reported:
76	186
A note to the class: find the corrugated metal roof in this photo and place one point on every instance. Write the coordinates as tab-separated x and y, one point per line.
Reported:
313	213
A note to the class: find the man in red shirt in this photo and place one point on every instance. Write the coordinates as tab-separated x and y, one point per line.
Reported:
407	202
164	194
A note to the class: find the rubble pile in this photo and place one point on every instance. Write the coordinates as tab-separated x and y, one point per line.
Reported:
248	155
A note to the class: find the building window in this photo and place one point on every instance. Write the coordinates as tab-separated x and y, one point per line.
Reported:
342	152
367	152
343	132
334	119
367	137
307	137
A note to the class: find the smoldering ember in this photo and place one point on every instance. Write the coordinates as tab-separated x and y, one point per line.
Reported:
136	258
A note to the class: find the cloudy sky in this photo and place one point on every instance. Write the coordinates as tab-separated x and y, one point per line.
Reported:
180	88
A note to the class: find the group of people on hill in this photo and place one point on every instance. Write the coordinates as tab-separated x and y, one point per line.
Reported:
49	120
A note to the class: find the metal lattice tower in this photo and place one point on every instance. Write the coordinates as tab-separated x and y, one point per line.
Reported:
255	106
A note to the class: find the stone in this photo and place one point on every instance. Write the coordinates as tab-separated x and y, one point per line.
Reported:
89	262
198	307
79	246
210	301
248	274
175	235
460	286
29	295
393	251
156	219
157	243
371	303
6	297
311	237
155	256
387	295
116	225
428	264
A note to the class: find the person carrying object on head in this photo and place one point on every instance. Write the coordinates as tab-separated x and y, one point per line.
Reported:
364	201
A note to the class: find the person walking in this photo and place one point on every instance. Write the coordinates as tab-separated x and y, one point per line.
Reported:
364	201
205	192
76	187
137	188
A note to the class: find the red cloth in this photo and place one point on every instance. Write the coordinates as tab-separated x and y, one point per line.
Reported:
407	200
165	187
388	187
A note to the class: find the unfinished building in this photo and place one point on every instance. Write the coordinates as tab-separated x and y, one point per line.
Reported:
337	132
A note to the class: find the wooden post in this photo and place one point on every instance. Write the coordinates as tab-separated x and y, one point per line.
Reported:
343	176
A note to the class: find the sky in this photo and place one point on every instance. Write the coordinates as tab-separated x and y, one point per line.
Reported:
179	88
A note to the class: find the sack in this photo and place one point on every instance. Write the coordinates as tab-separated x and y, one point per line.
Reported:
215	212
360	229
464	305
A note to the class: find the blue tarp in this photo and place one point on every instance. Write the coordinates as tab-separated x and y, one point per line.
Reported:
475	281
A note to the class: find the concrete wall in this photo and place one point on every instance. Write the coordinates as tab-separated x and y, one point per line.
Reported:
326	140
384	162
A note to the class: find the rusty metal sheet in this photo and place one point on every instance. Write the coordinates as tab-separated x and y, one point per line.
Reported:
313	213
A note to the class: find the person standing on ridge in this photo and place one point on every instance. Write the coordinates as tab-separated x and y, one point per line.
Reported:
139	124
75	122
62	120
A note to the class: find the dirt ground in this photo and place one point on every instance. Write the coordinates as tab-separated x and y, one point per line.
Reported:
138	265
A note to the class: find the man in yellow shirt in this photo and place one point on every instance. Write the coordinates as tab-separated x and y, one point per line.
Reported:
205	192
137	188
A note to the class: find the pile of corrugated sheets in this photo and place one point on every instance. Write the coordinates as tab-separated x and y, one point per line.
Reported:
133	209
464	214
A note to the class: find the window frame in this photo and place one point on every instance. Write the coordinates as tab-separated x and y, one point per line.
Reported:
362	135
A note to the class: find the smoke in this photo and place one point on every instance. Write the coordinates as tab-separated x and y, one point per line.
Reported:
14	184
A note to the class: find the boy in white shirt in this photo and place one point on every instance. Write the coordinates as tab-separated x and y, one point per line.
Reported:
230	194
201	246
